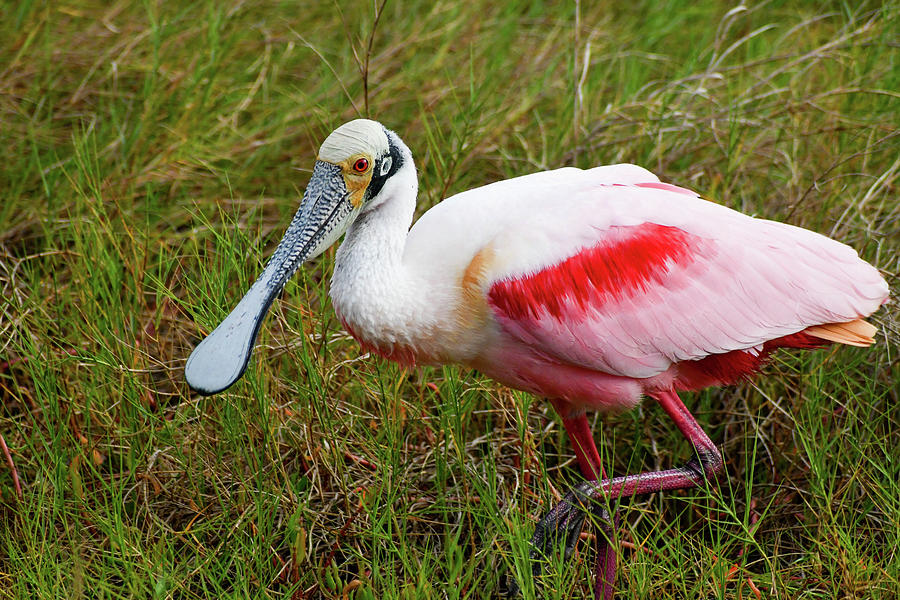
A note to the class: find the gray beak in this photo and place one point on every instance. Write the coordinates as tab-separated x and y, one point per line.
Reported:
326	211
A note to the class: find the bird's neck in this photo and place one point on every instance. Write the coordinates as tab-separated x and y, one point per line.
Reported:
379	299
376	239
374	242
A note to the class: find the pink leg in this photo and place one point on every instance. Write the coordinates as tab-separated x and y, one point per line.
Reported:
582	441
705	466
605	568
566	518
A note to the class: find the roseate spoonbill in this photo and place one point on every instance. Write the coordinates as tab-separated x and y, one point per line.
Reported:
592	288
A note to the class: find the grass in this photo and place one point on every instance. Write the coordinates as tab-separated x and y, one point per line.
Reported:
152	154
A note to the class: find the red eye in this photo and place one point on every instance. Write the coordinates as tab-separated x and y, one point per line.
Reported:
361	165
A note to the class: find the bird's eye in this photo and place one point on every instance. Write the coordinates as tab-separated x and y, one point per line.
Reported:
361	165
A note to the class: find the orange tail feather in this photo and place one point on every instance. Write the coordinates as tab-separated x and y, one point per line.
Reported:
853	333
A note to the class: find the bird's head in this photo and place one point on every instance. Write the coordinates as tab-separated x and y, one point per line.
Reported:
368	156
352	174
356	170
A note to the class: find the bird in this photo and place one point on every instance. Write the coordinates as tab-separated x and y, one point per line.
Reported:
592	288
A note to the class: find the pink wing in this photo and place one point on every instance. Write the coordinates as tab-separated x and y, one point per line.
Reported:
657	276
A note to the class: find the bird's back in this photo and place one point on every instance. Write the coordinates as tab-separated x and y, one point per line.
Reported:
612	271
457	228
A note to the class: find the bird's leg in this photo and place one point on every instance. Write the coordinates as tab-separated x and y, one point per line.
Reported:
605	569
585	448
564	521
582	440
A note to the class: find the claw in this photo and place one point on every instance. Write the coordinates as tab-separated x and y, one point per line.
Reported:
562	524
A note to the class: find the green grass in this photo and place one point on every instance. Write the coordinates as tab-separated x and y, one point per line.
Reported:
152	154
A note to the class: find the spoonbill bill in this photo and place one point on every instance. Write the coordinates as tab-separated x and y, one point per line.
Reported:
591	288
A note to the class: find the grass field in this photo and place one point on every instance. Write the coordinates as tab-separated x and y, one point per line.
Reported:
151	154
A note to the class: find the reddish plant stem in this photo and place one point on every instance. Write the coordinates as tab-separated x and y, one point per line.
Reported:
12	467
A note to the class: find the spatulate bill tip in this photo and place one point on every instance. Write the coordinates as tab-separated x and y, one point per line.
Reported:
204	391
222	357
210	383
207	382
214	367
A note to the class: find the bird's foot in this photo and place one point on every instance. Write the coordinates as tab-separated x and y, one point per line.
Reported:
562	525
